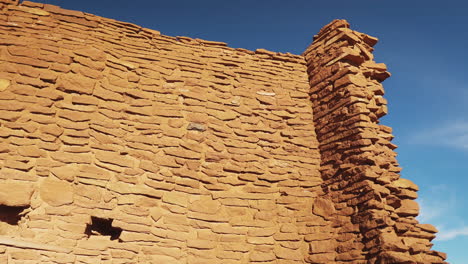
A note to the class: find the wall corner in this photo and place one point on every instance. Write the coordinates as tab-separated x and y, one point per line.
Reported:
375	208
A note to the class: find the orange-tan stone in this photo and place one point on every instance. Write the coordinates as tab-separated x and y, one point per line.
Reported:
188	151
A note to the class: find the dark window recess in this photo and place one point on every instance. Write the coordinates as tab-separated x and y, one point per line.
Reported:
11	214
102	227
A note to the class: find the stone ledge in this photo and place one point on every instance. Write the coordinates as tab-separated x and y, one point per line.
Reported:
7	241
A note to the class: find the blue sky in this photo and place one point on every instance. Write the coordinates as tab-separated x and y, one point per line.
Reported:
423	43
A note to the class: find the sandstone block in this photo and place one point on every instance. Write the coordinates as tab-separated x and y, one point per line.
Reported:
16	193
75	83
72	157
205	205
261	240
325	246
405	184
163	251
396	257
390	241
262	256
323	207
196	126
94	243
182	153
175	198
286	253
224	115
51	129
156	213
25	255
138	237
321	258
262	232
167	112
408	208
114	158
428	228
92	53
67	172
230	255
56	192
201	244
34	11
4	84
31	151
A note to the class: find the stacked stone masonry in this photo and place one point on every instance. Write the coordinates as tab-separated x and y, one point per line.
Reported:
122	145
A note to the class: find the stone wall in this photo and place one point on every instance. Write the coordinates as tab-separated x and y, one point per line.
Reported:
375	208
122	145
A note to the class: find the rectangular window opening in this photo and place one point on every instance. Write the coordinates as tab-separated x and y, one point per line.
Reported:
11	214
102	227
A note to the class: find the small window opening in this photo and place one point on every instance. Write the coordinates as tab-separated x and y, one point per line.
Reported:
102	227
11	214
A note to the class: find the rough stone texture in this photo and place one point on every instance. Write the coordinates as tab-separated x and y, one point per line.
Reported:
375	216
56	192
15	193
198	152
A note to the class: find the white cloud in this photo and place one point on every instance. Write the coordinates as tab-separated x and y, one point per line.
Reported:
437	213
439	202
431	211
454	134
445	235
439	208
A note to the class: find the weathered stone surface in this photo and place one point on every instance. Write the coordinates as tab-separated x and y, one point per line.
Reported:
205	205
408	208
121	145
67	172
55	192
196	126
346	123
175	198
405	184
262	256
16	193
323	207
4	84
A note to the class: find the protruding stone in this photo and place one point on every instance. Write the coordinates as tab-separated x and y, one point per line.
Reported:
405	184
408	208
196	126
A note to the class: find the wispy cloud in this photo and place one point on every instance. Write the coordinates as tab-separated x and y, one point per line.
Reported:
429	212
454	134
439	214
439	208
435	206
445	235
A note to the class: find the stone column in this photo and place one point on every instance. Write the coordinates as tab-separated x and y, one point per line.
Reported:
375	209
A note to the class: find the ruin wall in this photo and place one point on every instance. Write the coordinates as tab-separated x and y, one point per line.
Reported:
375	208
122	145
